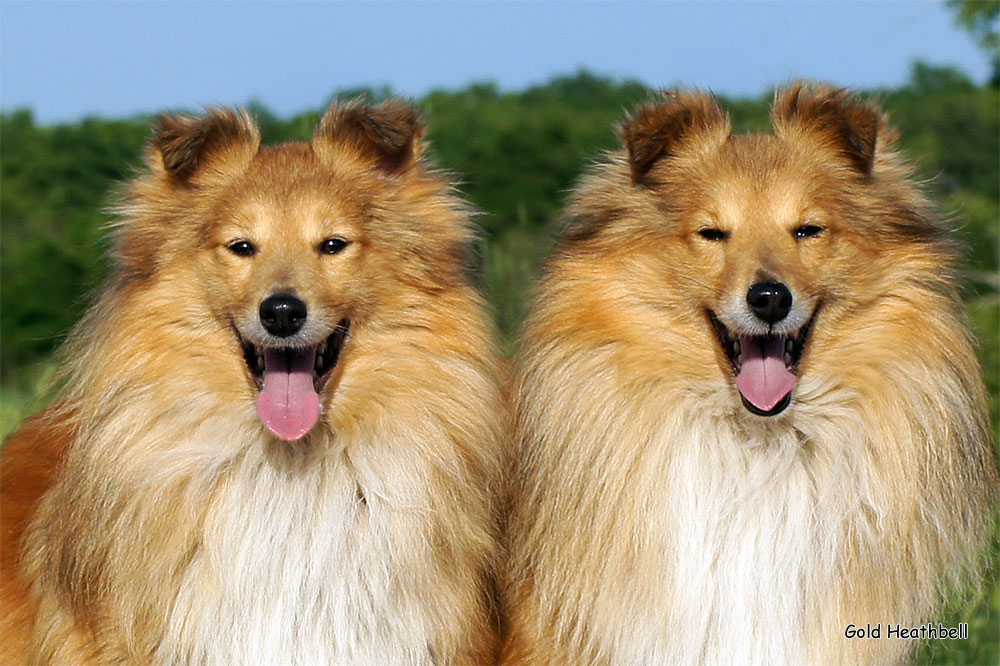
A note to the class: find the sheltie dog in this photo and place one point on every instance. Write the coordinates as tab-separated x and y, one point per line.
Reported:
279	440
749	411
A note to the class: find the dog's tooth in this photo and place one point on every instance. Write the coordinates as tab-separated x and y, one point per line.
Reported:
736	346
788	358
739	359
789	345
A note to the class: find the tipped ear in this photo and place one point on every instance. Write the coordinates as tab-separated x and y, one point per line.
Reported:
387	133
222	139
658	129
848	126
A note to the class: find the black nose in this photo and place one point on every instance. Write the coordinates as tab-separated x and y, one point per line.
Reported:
770	301
282	314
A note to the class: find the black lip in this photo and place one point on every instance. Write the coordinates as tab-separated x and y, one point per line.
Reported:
799	344
334	347
774	411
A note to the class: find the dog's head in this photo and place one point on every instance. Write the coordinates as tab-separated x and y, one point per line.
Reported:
754	242
291	247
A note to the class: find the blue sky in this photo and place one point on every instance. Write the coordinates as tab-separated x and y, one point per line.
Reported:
68	60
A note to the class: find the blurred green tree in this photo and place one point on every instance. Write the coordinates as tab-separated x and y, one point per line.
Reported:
982	19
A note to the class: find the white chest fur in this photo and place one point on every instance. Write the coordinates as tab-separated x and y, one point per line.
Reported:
304	568
748	531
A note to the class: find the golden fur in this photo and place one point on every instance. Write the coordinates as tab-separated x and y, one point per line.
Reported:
656	519
176	529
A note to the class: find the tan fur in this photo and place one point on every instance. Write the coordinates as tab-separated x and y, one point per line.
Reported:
178	530
656	520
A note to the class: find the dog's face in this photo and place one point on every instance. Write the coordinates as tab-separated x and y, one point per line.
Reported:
293	246
286	265
761	247
772	241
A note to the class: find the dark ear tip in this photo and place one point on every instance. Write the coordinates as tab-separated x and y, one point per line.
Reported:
356	109
163	122
401	107
852	122
167	125
185	142
397	114
389	132
807	101
655	129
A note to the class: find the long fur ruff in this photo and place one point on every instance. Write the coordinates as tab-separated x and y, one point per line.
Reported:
656	520
178	529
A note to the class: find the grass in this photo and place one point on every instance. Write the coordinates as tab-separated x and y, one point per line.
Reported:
30	394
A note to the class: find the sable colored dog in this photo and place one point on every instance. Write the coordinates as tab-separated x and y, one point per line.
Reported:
750	413
279	439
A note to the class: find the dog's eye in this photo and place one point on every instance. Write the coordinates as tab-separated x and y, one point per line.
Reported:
333	245
713	234
242	248
808	231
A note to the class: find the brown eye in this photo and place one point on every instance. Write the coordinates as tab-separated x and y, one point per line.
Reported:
242	248
713	234
333	245
808	231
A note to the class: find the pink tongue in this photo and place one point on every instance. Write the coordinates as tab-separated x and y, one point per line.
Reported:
764	380
288	404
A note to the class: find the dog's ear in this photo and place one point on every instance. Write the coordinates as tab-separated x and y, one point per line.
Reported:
658	129
846	126
387	134
188	148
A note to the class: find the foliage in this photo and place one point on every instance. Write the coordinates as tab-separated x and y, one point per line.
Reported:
516	153
981	18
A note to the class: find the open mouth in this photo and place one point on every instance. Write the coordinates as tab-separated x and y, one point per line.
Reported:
289	379
322	358
765	367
